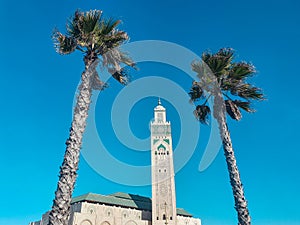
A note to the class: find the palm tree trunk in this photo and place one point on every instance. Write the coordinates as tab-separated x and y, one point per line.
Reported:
235	180
59	215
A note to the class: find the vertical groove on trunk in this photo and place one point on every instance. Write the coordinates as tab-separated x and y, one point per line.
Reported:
234	175
59	215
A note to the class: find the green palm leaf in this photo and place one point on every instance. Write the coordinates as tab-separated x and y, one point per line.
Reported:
107	26
63	44
247	91
219	62
241	70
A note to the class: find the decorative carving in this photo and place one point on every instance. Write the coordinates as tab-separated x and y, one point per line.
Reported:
125	214
161	130
108	213
91	210
105	223
131	222
163	189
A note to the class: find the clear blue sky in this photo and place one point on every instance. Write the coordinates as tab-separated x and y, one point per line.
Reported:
38	86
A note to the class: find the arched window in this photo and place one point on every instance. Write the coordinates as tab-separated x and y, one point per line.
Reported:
131	222
86	222
105	223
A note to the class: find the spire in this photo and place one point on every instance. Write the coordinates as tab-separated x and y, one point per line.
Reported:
159	112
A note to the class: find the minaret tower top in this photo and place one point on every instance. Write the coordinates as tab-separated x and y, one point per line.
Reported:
159	113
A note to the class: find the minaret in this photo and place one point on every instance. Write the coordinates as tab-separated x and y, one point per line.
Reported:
163	185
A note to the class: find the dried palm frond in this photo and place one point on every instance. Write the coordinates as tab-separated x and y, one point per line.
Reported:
244	105
97	84
121	76
196	92
202	113
233	110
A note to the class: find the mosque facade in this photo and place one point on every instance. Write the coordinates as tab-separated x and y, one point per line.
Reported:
129	209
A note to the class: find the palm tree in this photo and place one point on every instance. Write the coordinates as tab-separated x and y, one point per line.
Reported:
225	82
94	36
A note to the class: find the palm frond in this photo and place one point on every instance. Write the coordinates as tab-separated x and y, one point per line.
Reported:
247	91
219	62
121	76
217	66
112	60
73	29
126	59
88	21
196	92
227	84
244	105
83	27
62	43
241	70
113	40
206	56
208	80
226	53
199	68
107	26
202	113
233	110
97	84
114	57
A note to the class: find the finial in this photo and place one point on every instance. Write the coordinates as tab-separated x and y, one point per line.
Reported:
159	103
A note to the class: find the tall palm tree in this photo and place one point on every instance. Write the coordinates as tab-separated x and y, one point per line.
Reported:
225	82
94	36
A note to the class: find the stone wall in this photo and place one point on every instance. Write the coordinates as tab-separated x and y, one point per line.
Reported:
96	214
182	220
84	213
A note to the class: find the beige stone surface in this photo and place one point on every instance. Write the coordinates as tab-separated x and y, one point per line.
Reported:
163	190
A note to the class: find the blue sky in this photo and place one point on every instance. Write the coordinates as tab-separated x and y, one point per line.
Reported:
38	87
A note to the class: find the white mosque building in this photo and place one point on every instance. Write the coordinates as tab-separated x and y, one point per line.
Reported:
129	209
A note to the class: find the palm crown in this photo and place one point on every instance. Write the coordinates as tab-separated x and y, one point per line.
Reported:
89	33
218	72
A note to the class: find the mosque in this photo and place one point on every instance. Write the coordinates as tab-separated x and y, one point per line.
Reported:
129	209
